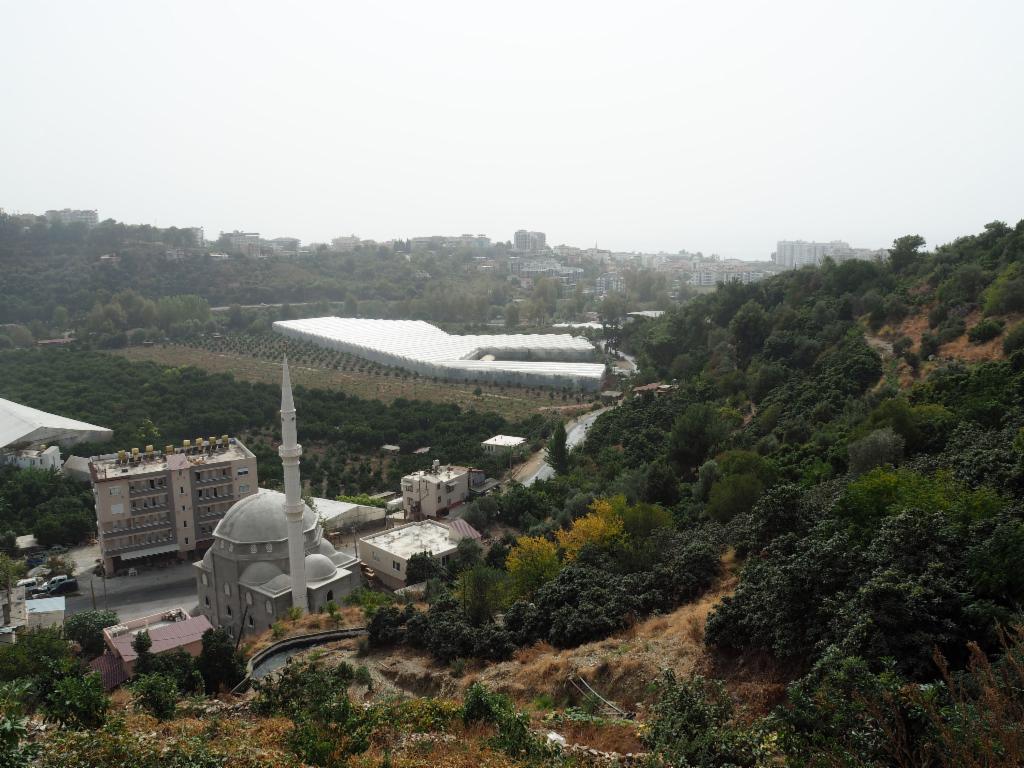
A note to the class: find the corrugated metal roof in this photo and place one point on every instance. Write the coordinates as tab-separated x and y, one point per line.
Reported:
165	638
464	529
45	604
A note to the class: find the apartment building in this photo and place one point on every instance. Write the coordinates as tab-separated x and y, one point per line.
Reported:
524	240
157	502
72	216
432	492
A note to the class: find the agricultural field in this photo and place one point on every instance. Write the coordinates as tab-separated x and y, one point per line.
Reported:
258	358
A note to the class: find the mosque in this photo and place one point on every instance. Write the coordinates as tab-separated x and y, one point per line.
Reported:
269	554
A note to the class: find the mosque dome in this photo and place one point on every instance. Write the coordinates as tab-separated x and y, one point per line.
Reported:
319	568
259	573
260	518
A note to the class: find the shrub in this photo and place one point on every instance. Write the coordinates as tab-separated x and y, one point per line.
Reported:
78	702
1014	339
986	330
86	629
156	694
694	724
881	447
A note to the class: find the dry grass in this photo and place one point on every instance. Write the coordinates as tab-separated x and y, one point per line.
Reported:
512	403
350	615
623	666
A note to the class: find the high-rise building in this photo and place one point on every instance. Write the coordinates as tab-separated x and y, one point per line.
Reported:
793	254
72	216
524	240
245	243
160	502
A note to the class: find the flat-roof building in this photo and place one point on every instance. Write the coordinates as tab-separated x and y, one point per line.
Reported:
433	492
388	552
160	502
504	444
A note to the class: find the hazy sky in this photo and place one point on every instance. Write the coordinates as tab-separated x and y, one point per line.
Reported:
713	126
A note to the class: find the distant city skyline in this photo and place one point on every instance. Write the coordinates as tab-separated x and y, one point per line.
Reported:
707	127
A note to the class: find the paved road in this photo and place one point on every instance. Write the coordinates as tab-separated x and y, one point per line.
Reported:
575	435
152	591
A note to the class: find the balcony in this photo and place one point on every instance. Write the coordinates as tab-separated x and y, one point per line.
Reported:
214	480
151	508
138	527
135	491
133	547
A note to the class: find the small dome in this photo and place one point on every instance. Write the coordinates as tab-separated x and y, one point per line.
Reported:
327	549
208	559
259	573
260	518
319	568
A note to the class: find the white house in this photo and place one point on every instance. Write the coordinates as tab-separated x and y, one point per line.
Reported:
388	552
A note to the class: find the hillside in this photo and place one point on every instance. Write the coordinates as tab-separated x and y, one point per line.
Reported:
806	552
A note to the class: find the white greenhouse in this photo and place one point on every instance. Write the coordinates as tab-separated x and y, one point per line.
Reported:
553	360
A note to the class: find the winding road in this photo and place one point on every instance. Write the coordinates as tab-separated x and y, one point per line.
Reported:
575	435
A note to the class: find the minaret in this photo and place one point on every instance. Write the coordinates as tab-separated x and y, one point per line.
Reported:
290	451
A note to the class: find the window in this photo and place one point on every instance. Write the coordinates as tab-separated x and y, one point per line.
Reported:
243	488
438	499
252	549
229	611
396	565
270	547
251	623
184	523
375	556
115	491
330	595
242	471
270	607
444	560
248	598
181	489
206	583
207	601
227	588
186	540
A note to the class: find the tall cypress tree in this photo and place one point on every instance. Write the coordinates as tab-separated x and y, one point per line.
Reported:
557	453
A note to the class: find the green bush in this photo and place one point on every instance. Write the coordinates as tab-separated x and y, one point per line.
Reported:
156	694
986	330
694	723
1014	339
86	629
78	702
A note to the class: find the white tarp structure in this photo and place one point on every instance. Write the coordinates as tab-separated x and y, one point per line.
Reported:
23	426
528	359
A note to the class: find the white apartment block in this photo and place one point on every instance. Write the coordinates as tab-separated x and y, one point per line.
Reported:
432	492
793	254
245	243
72	216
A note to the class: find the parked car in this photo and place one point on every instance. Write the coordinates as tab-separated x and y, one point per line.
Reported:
65	587
33	560
32	582
59	578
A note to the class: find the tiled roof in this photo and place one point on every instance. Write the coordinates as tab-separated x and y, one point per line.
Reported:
112	671
165	638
